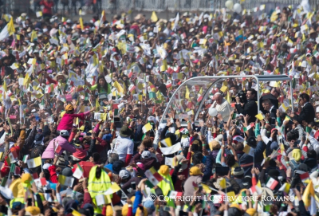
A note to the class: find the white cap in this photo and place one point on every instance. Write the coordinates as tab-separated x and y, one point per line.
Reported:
146	154
317	109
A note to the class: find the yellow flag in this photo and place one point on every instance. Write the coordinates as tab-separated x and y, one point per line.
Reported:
222	183
259	116
26	79
187	93
11	28
97	104
164	65
81	23
303	37
228	97
154	17
206	188
4	85
201	91
103	116
224	88
95	60
75	213
118	87
308	193
33	36
274	16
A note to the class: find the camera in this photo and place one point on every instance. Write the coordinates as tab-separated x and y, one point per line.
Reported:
242	96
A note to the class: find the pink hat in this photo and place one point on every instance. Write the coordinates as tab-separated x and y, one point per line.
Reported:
141	166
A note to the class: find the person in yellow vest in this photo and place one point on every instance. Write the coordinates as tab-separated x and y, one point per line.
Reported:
98	183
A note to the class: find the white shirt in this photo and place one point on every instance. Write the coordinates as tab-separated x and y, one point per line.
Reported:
224	109
123	147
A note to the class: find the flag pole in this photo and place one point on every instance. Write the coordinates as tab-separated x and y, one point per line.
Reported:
111	202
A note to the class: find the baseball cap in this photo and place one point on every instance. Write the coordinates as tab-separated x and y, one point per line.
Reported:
146	154
124	174
64	133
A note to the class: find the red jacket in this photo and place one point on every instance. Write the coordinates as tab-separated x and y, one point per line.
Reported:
47	7
53	175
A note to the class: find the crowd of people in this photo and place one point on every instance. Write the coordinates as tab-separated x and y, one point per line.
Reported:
83	130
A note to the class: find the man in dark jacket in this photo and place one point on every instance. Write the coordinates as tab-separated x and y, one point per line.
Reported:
271	109
250	107
308	112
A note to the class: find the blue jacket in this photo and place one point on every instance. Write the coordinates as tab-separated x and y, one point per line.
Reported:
209	167
260	148
137	201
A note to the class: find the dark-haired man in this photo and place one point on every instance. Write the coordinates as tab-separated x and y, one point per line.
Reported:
250	107
307	113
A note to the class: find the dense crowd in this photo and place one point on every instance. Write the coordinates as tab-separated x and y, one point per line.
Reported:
82	130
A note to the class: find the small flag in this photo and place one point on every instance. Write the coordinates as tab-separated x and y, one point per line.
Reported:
34	162
118	87
154	17
43	181
168	83
153	176
75	213
58	149
272	183
259	116
222	183
149	184
116	112
285	188
65	180
81	23
147	128
39	13
255	189
167	142
13	156
131	87
175	194
206	188
113	189
234	116
78	173
308	129
15	169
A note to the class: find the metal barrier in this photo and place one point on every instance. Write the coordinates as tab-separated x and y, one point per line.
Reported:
117	6
199	5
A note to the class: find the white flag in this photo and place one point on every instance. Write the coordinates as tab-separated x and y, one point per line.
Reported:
4	33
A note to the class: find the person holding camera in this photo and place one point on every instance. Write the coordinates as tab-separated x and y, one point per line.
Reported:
246	104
